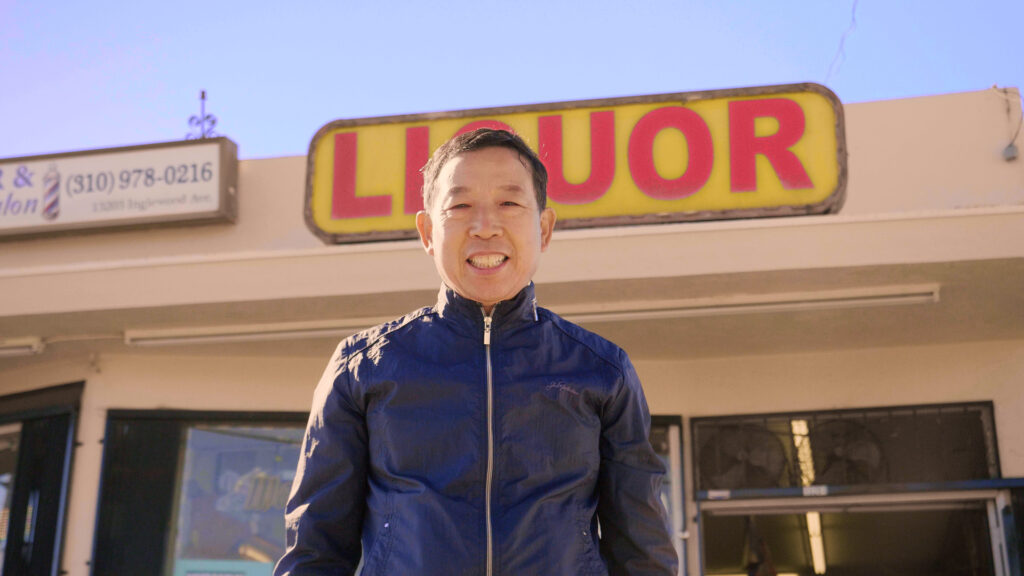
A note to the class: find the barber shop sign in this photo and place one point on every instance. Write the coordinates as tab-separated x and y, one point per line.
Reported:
722	154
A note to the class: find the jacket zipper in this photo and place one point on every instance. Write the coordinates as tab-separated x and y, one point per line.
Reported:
490	442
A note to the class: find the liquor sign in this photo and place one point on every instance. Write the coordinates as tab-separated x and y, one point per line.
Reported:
193	181
741	153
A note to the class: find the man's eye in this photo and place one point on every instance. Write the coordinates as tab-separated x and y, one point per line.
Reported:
510	203
458	206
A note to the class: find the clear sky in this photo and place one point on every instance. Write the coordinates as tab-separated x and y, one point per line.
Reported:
77	75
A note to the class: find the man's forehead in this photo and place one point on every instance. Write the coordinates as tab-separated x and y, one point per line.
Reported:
492	152
465	167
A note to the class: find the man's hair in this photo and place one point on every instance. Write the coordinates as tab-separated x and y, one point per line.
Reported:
477	140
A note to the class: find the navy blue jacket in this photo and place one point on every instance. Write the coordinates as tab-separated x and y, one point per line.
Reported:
453	444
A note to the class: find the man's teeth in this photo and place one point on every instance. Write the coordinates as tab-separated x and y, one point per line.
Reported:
488	261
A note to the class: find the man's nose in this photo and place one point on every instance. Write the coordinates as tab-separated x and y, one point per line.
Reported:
486	222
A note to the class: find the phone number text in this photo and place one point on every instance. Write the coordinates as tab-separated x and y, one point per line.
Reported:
130	179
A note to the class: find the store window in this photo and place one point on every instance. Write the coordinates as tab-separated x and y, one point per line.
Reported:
232	490
896	490
36	434
864	537
195	493
199	493
895	445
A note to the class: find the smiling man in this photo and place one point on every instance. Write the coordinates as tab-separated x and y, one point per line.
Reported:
482	435
484	225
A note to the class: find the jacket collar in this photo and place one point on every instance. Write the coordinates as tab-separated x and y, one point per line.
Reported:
468	313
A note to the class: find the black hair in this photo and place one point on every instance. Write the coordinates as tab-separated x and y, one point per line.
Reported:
477	140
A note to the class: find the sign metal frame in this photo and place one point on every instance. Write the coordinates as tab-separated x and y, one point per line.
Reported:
227	192
831	204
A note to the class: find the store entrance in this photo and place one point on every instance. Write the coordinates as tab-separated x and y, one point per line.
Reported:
948	534
36	431
10	435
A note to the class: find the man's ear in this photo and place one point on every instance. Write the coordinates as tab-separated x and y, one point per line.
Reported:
425	227
547	226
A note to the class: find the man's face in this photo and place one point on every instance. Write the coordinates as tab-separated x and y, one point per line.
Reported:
484	228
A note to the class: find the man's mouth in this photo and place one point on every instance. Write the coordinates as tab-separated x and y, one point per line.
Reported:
487	261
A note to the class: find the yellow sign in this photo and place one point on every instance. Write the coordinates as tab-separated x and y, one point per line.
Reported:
743	153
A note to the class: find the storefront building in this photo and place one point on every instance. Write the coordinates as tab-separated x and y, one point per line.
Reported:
834	392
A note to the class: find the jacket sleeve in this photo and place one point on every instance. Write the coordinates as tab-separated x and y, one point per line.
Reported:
635	537
325	510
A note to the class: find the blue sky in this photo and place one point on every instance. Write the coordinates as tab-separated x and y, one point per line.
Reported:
82	75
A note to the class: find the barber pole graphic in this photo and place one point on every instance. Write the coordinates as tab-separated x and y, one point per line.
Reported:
51	196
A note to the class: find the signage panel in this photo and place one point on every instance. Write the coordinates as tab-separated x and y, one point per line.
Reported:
741	153
193	181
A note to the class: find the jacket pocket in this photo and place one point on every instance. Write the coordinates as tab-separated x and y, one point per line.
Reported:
591	563
376	561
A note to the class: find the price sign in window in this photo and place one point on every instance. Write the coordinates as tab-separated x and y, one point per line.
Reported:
232	490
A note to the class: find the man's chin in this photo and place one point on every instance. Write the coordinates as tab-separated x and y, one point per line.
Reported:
488	299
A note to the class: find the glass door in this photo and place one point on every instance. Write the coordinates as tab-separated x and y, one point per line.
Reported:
10	435
34	493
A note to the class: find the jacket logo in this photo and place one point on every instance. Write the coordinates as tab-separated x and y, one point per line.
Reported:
562	386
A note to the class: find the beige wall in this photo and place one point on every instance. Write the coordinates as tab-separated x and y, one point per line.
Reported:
923	162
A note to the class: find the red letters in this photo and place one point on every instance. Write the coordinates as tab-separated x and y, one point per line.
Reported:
744	146
417	152
344	202
602	158
698	143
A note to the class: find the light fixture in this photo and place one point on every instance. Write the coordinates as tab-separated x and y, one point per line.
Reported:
802	439
755	303
612	311
817	543
249	332
28	346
